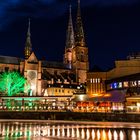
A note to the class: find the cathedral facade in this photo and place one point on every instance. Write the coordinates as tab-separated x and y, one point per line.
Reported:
54	79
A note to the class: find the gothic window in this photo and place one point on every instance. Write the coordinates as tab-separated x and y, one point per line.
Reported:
82	56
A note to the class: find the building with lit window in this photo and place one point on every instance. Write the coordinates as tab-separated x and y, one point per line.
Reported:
120	85
50	81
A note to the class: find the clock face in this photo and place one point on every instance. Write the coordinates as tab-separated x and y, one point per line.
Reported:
31	75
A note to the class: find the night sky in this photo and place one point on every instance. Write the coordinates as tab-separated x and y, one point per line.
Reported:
112	28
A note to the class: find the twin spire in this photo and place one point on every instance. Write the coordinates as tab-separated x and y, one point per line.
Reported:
78	39
71	41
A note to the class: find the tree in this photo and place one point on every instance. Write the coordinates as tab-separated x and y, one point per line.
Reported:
13	83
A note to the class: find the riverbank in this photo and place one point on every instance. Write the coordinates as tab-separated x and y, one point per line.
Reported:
117	117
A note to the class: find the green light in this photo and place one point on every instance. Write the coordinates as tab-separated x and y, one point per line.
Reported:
12	83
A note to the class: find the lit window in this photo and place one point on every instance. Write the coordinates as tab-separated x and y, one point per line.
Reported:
111	86
115	85
133	83
125	84
91	80
99	80
120	84
139	83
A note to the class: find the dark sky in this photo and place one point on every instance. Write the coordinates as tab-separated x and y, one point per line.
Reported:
112	28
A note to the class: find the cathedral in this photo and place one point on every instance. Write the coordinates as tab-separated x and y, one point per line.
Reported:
52	80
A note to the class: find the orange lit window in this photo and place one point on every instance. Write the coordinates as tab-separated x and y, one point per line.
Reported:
125	84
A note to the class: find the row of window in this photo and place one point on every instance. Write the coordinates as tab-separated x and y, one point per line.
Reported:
62	91
124	84
95	80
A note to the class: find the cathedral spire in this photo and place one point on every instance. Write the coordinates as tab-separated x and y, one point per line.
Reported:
70	32
79	32
28	44
70	42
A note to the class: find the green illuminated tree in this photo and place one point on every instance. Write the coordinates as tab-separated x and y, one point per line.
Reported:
12	83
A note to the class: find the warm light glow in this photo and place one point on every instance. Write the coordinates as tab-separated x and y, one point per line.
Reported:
121	135
88	134
68	131
98	134
77	133
109	135
104	135
83	134
115	135
93	134
58	131
73	133
134	135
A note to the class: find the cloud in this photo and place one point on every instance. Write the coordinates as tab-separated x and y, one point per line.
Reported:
109	2
11	10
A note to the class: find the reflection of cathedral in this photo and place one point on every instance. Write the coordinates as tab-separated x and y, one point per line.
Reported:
54	78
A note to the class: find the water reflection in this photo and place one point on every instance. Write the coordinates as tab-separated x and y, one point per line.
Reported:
88	132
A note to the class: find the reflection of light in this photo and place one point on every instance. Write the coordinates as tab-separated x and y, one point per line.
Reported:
109	135
104	135
83	134
12	129
44	132
63	132
93	134
115	135
98	134
73	133
25	130
68	131
77	132
121	135
49	131
58	131
133	135
139	134
88	134
7	129
53	131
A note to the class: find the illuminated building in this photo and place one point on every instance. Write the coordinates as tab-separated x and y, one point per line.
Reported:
120	85
51	81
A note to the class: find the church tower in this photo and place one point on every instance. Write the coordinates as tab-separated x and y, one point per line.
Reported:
69	42
80	51
28	44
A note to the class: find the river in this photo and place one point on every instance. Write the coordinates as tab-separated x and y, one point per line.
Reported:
67	130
